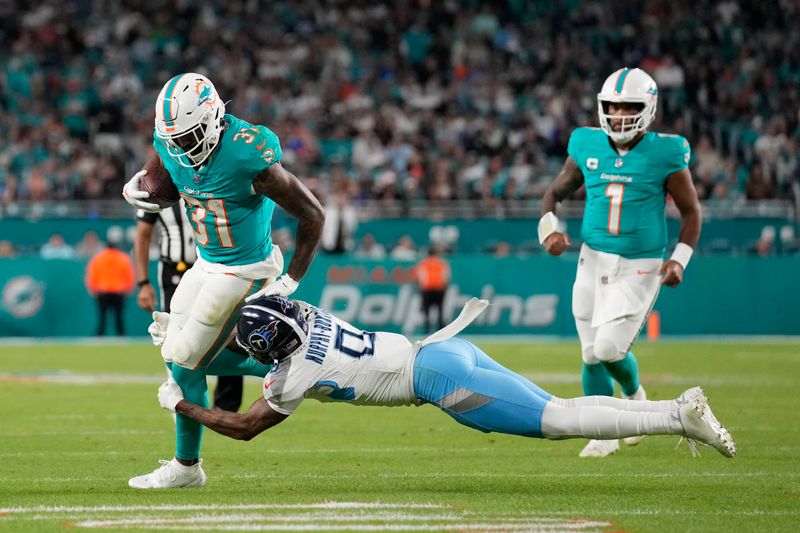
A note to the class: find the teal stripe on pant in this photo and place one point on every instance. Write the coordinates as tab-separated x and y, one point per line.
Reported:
189	433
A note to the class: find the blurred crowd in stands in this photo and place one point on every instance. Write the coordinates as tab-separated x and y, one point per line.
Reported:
406	100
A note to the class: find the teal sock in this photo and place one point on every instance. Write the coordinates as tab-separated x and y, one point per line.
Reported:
597	381
626	372
188	433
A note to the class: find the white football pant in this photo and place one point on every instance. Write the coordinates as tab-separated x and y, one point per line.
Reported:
205	306
611	299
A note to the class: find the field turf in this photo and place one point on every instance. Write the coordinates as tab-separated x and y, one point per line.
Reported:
76	421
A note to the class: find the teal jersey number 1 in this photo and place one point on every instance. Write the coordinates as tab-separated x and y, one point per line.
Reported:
625	194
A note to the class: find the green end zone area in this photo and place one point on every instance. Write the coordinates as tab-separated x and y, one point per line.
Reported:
76	421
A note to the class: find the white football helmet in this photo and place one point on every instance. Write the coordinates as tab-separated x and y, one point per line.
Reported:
627	85
189	105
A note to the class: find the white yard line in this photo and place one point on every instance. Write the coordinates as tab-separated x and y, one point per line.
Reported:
325	516
223	507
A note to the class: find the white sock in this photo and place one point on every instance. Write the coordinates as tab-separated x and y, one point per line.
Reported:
600	422
186	469
649	406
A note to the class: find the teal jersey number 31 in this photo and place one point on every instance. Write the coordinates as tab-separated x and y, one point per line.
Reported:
230	220
625	194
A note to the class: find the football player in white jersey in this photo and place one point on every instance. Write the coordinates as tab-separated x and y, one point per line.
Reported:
316	355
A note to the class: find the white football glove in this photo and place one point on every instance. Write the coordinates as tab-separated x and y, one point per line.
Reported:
169	394
135	197
283	286
158	328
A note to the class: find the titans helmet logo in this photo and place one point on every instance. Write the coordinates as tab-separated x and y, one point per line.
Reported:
261	338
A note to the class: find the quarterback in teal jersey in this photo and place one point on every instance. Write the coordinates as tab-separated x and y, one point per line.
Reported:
628	173
229	175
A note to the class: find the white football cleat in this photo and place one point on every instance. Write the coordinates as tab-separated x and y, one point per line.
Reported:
640	394
691	394
700	424
600	448
170	475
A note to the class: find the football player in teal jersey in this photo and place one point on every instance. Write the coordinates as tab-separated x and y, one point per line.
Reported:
628	172
228	172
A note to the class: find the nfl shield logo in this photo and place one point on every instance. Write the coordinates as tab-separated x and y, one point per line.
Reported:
197	178
618	162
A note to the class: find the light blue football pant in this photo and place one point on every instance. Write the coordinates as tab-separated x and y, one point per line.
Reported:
478	391
188	433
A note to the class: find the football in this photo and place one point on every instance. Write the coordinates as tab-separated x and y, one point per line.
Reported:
159	184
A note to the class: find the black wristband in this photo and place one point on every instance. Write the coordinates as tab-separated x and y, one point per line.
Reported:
142	283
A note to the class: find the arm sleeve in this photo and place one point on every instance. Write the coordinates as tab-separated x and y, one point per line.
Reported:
264	151
678	155
281	394
572	145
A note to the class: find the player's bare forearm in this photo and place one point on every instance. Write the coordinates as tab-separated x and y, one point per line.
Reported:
295	198
141	249
568	180
257	419
679	185
306	241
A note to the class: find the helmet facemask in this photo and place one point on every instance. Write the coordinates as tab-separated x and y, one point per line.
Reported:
631	125
202	139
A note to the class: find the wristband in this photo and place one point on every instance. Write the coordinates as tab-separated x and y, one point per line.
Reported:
548	225
682	254
142	283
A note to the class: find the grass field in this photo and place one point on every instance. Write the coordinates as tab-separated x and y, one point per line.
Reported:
77	421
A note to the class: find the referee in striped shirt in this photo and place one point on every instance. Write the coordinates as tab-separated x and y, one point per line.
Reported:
178	254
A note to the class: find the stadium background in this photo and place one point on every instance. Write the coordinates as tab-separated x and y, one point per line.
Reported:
442	122
438	121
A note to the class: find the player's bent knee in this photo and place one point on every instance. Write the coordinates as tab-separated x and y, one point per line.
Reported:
587	354
177	350
607	351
